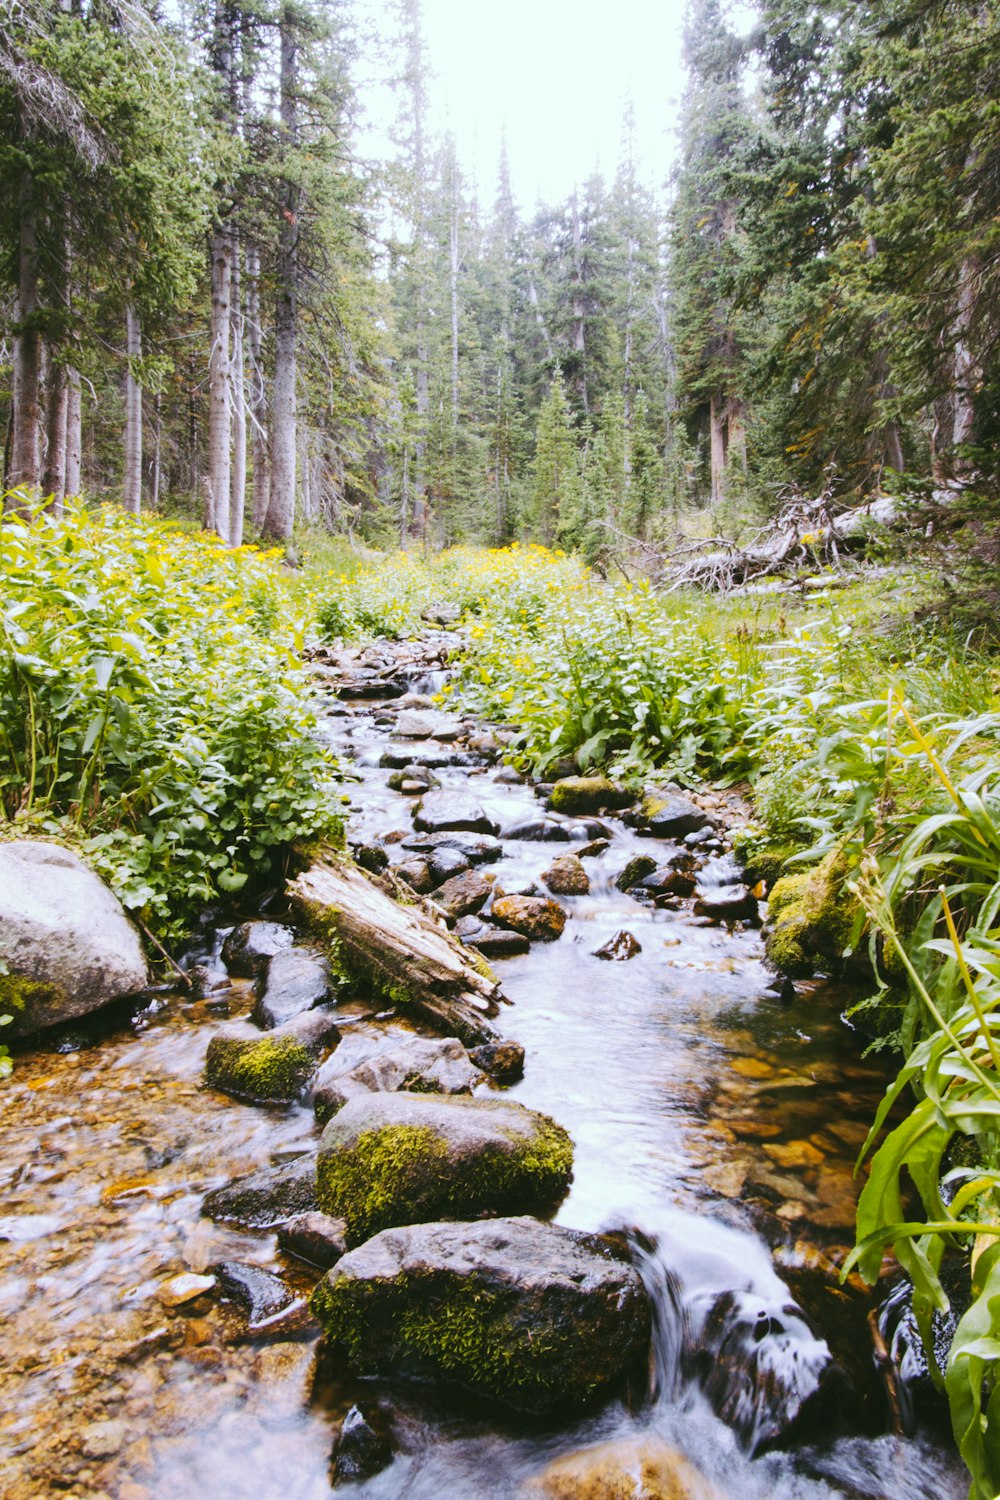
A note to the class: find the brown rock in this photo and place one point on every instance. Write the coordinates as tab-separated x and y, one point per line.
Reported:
621	947
464	893
536	917
567	877
794	1154
627	1469
184	1288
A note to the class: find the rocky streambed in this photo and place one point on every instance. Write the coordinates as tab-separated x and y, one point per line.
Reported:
569	1198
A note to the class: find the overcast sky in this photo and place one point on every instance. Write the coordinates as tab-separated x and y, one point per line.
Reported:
556	74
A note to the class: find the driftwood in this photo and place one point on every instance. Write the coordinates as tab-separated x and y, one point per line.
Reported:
400	951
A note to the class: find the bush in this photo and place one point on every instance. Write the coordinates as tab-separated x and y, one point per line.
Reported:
152	709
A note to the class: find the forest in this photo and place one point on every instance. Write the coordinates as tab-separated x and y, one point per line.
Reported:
499	765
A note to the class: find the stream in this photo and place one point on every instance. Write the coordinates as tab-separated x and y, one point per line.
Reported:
715	1123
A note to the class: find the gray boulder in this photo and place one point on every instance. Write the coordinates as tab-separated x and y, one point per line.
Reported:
250	947
297	979
423	1065
530	1314
404	1158
265	1199
65	942
449	812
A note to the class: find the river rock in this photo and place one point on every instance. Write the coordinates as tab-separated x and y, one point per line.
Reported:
371	857
398	757
275	1068
413	778
65	940
177	1291
424	1065
637	869
250	947
447	812
535	917
297	980
529	1314
427	724
666	815
594	849
314	1237
464	894
441	614
490	941
567	877
503	1061
363	1449
444	863
639	1468
267	1198
260	1294
620	948
588	794
417	874
478	848
537	831
403	1158
666	881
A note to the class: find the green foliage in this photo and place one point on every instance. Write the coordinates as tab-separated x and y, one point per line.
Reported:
152	711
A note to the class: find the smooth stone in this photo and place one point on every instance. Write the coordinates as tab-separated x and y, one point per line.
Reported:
478	849
397	757
444	863
503	1061
425	1065
104	1439
265	1199
532	1315
668	816
275	1068
411	777
588	794
415	700
537	831
594	849
314	1237
495	942
464	894
260	1294
401	1158
620	948
427	724
183	1288
535	917
362	1450
446	812
726	903
507	776
297	980
667	881
66	946
638	868
441	614
567	877
250	947
640	1468
417	874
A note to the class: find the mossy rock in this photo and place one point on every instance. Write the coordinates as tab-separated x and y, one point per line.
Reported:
588	794
765	861
272	1069
532	1315
813	918
404	1158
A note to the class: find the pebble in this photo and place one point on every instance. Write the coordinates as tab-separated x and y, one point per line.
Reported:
183	1288
103	1439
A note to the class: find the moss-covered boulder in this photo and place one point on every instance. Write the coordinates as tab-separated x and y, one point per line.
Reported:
588	794
529	1314
271	1069
403	1158
812	919
66	945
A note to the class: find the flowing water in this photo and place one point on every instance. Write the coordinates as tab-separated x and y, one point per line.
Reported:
715	1126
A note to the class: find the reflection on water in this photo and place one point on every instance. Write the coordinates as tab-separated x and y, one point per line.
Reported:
713	1124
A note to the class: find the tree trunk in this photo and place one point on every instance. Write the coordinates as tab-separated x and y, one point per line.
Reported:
25	459
453	247
132	497
74	433
54	478
281	510
154	479
220	384
717	439
238	484
258	392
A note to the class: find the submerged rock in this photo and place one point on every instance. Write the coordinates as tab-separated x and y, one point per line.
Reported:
620	948
275	1068
534	917
447	812
264	1199
422	1065
65	941
363	1449
639	1468
503	1061
177	1291
260	1294
250	947
588	794
297	980
402	1158
567	877
314	1237
530	1314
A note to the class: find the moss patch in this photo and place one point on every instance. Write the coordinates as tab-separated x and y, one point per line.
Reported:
586	794
814	917
273	1069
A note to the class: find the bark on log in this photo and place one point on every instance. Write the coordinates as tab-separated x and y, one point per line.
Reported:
399	950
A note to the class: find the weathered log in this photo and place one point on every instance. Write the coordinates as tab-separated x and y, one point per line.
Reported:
399	951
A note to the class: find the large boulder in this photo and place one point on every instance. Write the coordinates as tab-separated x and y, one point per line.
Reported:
643	1468
403	1158
530	1314
274	1068
421	1065
451	812
296	980
66	945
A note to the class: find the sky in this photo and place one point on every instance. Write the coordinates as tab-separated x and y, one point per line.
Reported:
556	76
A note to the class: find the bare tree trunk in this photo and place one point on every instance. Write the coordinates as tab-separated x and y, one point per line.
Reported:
154	480
74	434
281	510
54	478
717	440
25	458
238	490
579	311
258	392
132	496
453	245
220	384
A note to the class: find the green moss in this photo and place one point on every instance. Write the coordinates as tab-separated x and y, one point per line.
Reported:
18	994
814	918
350	966
271	1069
404	1174
584	794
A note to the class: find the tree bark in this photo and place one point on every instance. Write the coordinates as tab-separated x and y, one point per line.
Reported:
238	481
74	432
24	469
54	477
258	392
281	510
220	384
717	440
132	486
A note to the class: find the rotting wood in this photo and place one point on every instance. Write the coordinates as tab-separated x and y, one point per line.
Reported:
401	951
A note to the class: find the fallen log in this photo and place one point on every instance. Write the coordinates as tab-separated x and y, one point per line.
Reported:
400	952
